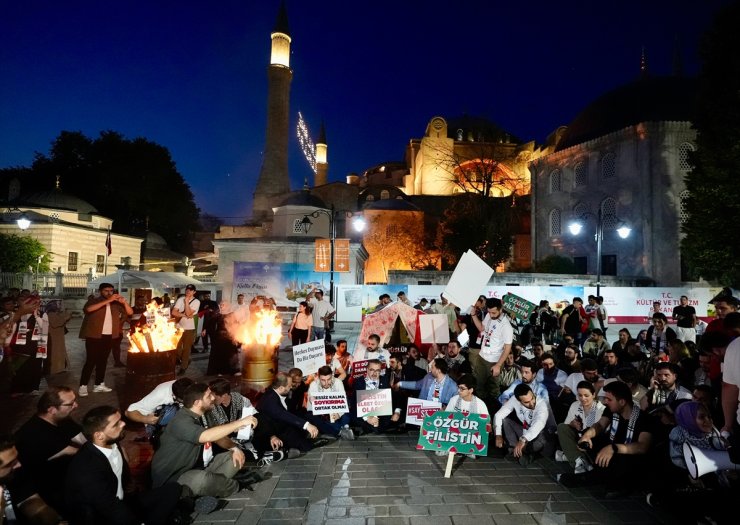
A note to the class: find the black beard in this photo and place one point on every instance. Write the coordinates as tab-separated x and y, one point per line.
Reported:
109	442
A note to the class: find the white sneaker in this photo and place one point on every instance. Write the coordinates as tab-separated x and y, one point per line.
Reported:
582	466
101	388
560	456
82	392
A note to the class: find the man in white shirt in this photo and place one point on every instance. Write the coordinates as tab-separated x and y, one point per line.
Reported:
322	312
185	309
373	350
496	336
241	310
336	425
731	386
531	433
98	474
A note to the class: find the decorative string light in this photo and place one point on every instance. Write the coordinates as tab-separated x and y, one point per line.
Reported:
307	145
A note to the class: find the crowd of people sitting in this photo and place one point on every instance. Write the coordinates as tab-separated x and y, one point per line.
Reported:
636	415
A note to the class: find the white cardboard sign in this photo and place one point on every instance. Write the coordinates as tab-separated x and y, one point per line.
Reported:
309	357
374	402
329	403
434	328
418	409
467	282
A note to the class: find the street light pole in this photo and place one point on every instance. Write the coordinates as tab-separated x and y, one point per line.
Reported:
599	238
333	230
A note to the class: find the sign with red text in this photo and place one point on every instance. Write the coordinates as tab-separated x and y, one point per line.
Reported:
374	403
328	403
455	432
418	409
359	368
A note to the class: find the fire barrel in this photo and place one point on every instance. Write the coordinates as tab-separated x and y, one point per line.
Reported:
145	370
260	366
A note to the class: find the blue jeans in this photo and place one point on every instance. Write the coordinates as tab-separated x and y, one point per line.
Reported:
318	332
325	427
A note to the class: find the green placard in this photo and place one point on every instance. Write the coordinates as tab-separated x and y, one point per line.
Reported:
455	432
520	307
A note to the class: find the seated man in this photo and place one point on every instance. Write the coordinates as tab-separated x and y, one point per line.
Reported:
336	425
159	406
373	350
32	509
295	401
665	388
264	444
595	345
333	362
97	481
531	432
436	385
551	376
374	381
616	444
46	444
610	364
570	362
529	375
465	400
291	427
186	451
457	363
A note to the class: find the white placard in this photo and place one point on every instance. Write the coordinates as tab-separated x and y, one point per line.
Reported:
309	357
328	403
245	433
418	409
374	402
463	338
434	329
470	277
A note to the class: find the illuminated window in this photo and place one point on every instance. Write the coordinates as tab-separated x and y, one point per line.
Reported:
608	166
609	213
683	213
683	156
72	261
556	180
369	198
385	194
555	224
100	263
581	177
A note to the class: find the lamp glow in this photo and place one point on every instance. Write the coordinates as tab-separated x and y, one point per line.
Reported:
575	227
23	222
358	223
624	231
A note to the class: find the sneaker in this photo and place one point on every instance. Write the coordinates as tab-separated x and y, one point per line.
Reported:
271	457
582	466
102	388
440	452
206	504
346	433
471	456
560	456
82	392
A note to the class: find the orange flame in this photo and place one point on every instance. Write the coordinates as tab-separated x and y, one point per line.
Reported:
157	335
263	328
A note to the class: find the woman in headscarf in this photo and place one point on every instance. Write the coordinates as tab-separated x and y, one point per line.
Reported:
694	426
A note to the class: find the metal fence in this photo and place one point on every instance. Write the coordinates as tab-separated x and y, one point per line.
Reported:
48	284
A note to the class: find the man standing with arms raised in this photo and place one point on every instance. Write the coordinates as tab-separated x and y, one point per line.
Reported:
101	325
322	312
496	336
185	309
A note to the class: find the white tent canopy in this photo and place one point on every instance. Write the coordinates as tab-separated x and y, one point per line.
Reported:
136	279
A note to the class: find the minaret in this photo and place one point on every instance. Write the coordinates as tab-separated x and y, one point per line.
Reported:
322	167
273	180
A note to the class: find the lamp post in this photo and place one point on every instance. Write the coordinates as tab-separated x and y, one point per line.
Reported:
23	221
306	223
623	231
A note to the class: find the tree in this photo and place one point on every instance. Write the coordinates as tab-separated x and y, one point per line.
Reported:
483	224
555	264
21	254
712	242
136	183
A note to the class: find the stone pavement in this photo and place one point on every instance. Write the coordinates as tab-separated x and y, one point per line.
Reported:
377	479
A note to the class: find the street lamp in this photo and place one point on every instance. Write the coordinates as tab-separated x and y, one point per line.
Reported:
358	223
23	221
623	230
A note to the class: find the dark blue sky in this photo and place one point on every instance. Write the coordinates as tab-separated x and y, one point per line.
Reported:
191	75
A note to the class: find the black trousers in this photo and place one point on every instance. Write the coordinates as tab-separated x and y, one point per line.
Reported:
96	358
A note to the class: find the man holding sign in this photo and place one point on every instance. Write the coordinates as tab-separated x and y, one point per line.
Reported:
496	337
334	423
373	381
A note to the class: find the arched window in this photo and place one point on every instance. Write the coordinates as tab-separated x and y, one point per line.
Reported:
555	223
579	210
556	181
683	156
608	166
385	194
609	213
370	198
683	213
581	175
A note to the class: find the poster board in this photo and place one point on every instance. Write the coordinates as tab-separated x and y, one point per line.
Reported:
418	409
455	432
309	357
434	329
470	277
374	402
328	403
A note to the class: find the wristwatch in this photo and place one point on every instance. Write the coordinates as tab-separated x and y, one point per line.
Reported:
522	439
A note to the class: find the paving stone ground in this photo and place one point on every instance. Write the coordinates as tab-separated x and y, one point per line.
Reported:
377	480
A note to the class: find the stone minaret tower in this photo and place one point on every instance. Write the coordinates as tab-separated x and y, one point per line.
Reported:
322	167
273	181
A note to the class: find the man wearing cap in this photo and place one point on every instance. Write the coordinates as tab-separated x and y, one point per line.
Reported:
724	302
185	309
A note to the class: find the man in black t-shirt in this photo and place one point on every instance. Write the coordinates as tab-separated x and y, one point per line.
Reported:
46	444
617	444
685	316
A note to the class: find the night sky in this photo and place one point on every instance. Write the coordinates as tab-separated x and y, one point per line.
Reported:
191	76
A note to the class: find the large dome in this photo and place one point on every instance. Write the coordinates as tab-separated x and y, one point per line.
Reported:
480	129
645	100
302	198
60	201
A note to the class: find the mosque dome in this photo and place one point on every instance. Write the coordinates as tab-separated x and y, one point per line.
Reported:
397	204
657	99
302	198
59	200
477	129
